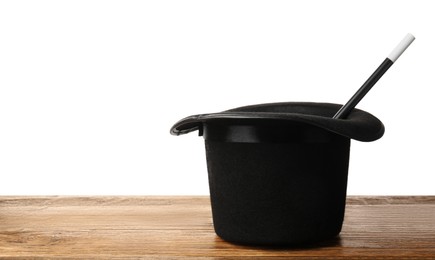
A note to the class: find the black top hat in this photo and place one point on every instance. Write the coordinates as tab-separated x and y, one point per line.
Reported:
359	125
278	172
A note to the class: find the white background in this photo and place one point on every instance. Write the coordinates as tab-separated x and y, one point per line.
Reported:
90	89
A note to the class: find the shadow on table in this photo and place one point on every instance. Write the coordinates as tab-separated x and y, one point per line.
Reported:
334	242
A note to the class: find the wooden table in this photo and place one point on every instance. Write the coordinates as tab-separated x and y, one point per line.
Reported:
181	227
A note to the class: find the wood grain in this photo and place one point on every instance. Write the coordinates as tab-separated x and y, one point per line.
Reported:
181	227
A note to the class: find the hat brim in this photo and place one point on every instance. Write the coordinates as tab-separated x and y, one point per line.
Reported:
359	125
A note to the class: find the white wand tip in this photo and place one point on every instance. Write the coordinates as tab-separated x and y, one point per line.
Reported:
401	47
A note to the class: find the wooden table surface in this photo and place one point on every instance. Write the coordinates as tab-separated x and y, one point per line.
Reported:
181	227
